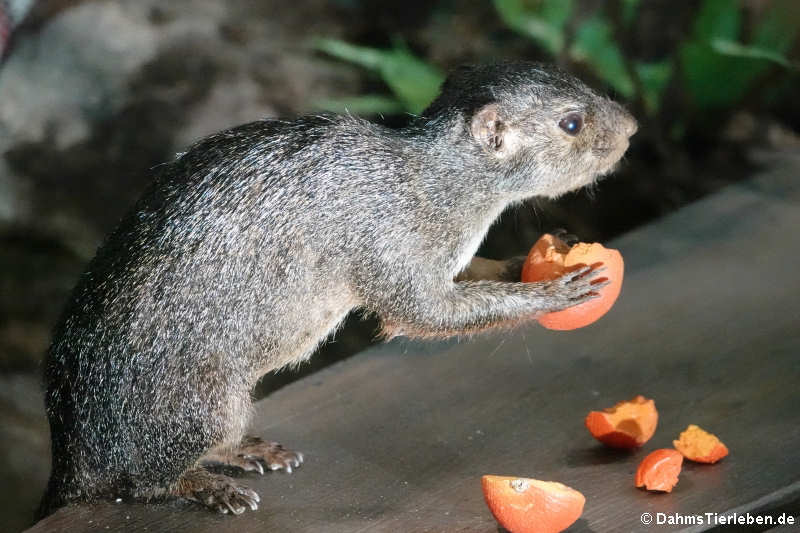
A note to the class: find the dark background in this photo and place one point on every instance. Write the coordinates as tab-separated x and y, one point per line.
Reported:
93	95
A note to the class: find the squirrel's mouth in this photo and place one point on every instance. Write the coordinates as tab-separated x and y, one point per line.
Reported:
606	159
609	157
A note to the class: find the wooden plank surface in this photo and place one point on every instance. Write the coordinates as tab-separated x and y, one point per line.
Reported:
396	438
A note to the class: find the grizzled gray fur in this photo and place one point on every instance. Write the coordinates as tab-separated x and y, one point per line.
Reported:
249	249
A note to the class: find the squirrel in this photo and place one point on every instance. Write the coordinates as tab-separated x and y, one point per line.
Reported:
250	248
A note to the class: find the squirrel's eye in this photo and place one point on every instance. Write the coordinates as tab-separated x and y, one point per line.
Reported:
572	123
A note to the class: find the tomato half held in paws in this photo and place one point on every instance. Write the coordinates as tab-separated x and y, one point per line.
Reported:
550	258
659	470
700	446
626	425
523	505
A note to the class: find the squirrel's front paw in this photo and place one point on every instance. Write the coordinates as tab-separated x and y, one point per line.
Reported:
576	287
216	491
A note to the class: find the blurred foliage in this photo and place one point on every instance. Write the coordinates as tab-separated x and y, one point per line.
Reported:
716	65
545	25
413	81
718	69
595	46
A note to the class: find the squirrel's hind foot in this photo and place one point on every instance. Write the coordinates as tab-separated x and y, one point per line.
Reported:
216	491
254	454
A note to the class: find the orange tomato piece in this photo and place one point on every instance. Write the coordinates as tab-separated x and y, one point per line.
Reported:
700	446
550	258
523	505
628	424
659	470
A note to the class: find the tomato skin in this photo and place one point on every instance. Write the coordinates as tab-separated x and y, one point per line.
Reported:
550	258
659	470
627	425
523	505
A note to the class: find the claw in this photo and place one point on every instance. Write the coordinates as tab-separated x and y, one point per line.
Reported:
584	271
580	272
568	238
249	497
255	464
588	271
256	454
217	492
599	283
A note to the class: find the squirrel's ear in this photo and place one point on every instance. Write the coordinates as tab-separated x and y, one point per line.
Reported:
488	128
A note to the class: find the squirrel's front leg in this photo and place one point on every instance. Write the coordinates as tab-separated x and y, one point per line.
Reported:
481	268
421	307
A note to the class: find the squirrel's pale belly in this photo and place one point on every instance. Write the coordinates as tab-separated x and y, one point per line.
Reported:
326	314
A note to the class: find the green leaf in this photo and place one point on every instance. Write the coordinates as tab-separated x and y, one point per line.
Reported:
715	80
653	78
556	12
414	82
731	48
360	55
629	9
595	46
718	70
368	104
717	19
777	29
544	24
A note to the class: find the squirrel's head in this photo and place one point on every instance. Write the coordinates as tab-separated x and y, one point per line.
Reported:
543	129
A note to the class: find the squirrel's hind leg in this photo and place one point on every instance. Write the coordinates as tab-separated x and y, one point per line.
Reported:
216	491
253	454
222	493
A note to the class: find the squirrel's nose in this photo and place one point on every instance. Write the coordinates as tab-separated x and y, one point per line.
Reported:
624	121
628	124
631	126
